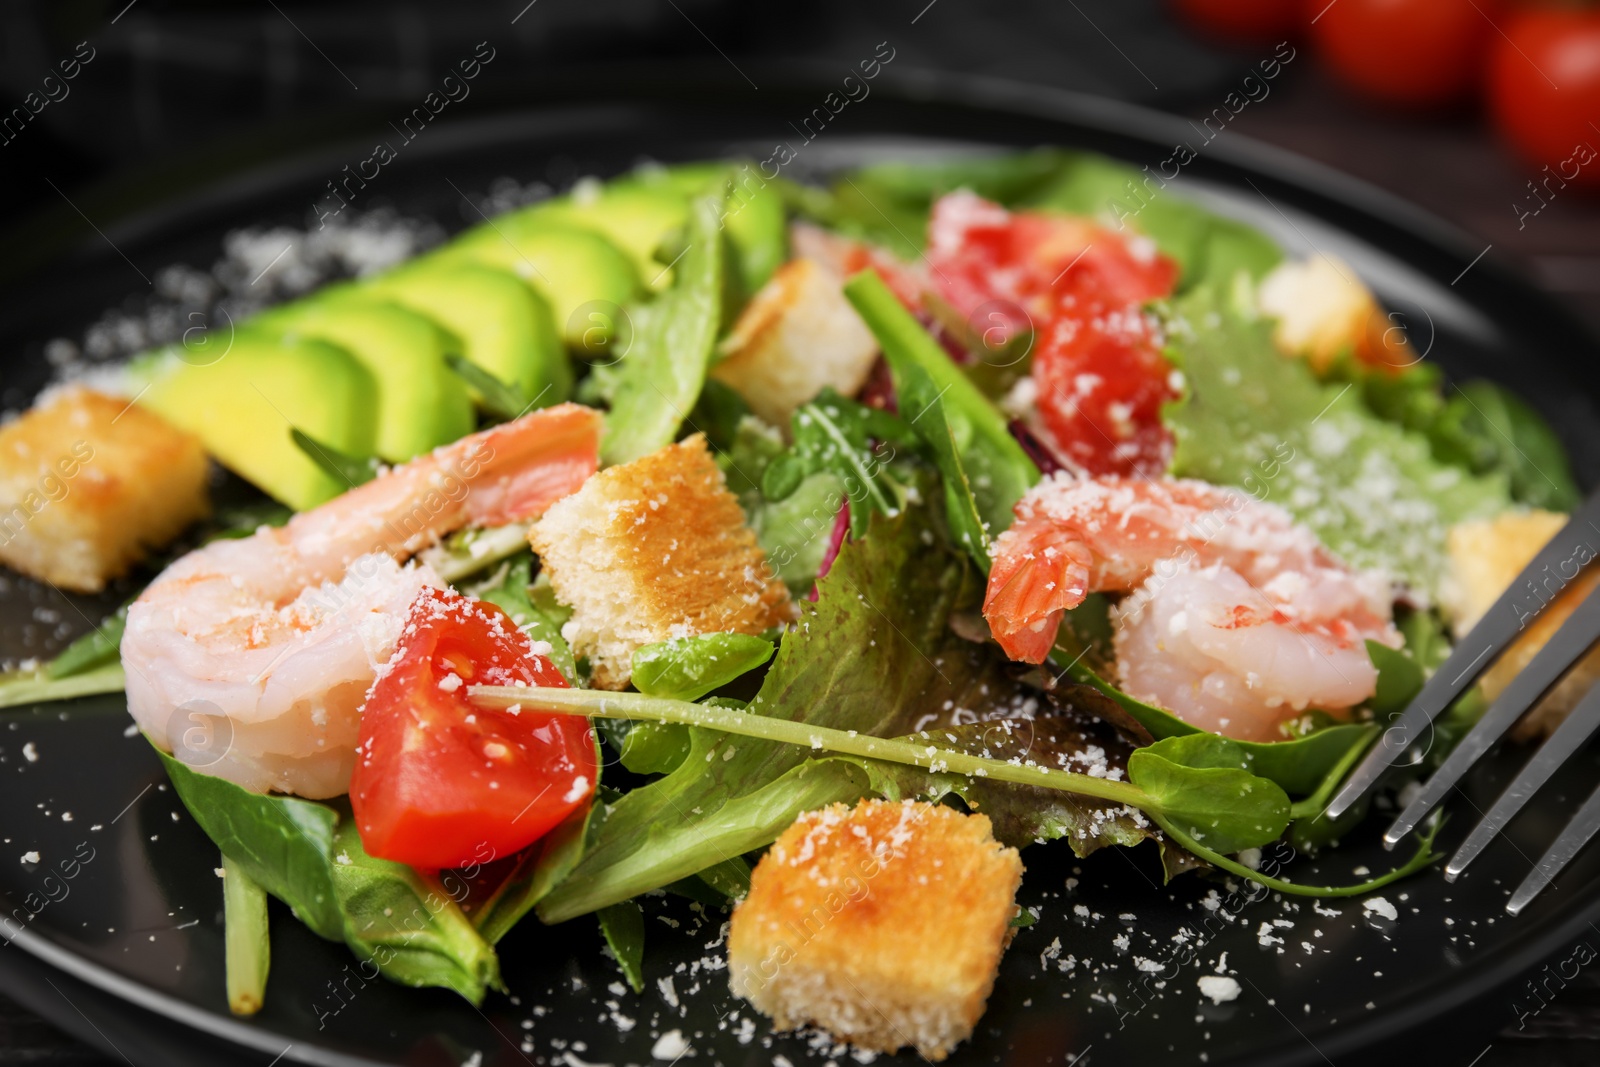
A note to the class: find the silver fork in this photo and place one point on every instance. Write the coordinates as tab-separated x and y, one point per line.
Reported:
1556	566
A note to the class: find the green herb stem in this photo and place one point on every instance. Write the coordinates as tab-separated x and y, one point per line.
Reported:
892	750
247	947
1423	857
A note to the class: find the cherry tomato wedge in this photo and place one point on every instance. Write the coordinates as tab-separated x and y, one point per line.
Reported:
1544	90
1079	287
439	781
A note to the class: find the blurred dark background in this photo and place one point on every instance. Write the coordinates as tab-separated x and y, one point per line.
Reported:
164	87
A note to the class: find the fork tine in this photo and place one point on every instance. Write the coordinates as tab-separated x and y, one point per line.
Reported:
1569	736
1571	641
1572	839
1577	542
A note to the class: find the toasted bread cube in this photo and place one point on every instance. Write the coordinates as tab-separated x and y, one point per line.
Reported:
89	484
882	924
653	550
797	335
1485	558
1323	309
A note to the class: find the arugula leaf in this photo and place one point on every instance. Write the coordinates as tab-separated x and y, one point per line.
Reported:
623	927
1000	472
687	668
862	659
309	855
832	434
1371	490
346	469
660	378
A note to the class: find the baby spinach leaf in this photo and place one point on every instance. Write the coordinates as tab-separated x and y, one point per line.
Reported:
688	668
1196	784
1399	678
405	924
309	855
623	927
660	377
998	469
284	844
918	393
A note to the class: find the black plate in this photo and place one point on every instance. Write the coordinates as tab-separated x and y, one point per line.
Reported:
139	930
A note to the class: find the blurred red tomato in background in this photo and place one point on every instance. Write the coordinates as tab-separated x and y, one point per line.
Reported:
1544	89
1417	53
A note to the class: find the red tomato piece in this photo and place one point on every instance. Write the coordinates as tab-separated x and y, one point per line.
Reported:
1244	21
1544	90
439	781
1097	361
1419	53
1102	382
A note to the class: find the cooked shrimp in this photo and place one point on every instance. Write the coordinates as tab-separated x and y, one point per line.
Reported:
266	646
1239	616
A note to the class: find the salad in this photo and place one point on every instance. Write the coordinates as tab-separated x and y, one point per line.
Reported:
806	551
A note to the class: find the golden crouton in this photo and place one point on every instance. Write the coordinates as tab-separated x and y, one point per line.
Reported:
882	924
1485	558
653	550
798	335
1323	309
89	484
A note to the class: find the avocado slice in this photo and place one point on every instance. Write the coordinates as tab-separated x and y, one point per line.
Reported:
243	404
756	221
569	267
634	216
420	403
504	326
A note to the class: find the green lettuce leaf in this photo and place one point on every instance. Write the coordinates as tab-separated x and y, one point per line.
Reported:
1373	491
866	657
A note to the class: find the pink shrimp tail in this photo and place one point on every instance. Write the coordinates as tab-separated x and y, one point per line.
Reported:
519	468
1037	575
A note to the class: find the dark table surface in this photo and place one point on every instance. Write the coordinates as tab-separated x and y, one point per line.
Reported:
1454	167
